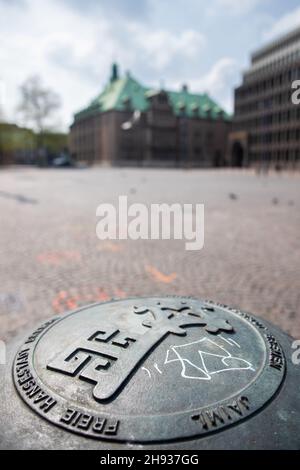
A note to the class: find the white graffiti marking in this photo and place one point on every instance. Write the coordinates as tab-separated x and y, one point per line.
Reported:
230	341
157	368
213	359
147	370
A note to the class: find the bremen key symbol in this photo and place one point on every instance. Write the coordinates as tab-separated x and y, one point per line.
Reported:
108	359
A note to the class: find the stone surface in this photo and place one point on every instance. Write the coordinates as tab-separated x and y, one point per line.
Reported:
51	260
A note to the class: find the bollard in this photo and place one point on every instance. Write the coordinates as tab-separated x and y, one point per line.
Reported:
151	373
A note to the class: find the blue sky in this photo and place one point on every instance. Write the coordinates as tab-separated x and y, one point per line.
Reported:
71	44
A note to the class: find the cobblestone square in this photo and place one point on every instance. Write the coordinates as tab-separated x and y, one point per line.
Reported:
51	260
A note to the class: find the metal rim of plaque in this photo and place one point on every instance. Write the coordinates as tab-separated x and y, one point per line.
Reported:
147	370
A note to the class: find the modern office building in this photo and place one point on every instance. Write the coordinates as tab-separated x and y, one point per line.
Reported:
266	125
130	124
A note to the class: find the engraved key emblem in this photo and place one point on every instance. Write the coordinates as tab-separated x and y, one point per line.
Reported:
108	357
152	369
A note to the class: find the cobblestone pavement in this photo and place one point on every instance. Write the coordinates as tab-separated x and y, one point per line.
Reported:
51	260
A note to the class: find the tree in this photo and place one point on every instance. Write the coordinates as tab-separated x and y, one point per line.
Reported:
1	100
38	104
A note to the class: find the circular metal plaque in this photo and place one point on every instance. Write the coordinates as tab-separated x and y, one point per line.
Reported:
149	369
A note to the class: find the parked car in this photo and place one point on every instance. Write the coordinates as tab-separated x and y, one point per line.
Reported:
63	160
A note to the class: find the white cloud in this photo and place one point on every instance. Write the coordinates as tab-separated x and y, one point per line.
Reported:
161	47
217	82
285	24
72	52
29	38
217	77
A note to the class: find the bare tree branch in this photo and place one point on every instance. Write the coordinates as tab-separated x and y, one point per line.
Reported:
38	104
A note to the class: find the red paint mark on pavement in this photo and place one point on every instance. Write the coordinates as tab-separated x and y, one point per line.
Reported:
74	298
159	276
111	247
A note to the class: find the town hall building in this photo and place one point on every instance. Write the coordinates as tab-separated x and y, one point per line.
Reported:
130	124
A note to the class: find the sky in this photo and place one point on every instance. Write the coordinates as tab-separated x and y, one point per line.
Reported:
71	44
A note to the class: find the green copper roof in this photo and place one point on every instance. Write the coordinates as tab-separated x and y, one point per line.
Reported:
118	92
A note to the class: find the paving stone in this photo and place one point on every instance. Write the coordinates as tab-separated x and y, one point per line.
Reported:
51	260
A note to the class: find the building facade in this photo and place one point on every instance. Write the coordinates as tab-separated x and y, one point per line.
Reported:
129	124
266	124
